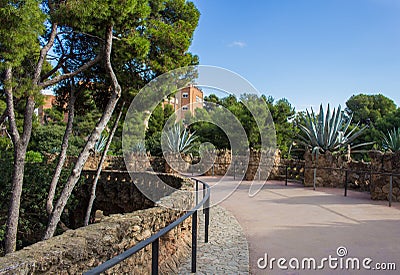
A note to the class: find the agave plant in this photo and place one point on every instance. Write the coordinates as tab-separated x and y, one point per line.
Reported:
178	140
329	132
139	148
391	142
100	144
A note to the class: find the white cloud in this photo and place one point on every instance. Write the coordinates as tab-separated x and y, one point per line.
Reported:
239	44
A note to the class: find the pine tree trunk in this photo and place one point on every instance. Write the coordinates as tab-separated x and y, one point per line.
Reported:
20	146
55	216
63	153
20	142
103	157
16	191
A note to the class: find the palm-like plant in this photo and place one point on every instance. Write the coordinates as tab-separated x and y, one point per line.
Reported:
391	142
328	132
178	140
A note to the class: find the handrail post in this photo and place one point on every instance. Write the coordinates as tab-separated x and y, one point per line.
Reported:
390	190
194	241
197	191
315	177
204	194
286	174
370	178
154	256
234	170
345	182
207	220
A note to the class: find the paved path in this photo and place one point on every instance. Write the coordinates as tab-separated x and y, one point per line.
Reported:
296	222
227	250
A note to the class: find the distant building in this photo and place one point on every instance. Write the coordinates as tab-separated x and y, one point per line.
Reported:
49	101
187	100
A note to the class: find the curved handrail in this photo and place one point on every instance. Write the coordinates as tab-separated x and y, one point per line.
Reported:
154	238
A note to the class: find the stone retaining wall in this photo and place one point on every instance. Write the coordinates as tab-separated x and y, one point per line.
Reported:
222	165
380	185
362	176
331	172
295	170
116	192
79	250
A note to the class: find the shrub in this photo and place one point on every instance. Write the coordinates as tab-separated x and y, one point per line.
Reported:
33	157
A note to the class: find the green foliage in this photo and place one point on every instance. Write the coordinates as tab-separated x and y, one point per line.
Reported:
281	112
33	216
206	131
21	23
369	108
283	115
153	144
53	115
156	121
33	157
378	111
328	132
6	147
48	139
3	105
178	140
84	123
391	141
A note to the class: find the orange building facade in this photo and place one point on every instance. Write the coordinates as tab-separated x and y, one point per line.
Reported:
187	100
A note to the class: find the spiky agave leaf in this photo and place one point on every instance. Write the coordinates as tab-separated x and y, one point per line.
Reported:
392	140
178	140
328	131
100	144
139	147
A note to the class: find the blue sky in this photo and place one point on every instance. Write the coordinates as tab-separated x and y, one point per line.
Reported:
308	51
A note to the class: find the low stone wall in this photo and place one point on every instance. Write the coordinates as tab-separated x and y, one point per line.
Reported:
331	172
255	169
331	177
79	250
221	163
359	175
295	170
362	176
380	183
262	168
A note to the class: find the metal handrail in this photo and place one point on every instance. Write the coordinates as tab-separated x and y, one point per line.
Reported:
154	239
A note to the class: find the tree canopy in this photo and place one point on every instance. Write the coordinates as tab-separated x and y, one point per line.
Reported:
94	45
369	108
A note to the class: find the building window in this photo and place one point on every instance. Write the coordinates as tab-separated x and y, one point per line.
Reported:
185	95
198	99
185	108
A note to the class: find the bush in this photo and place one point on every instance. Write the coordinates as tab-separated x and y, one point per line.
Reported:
48	139
153	144
33	157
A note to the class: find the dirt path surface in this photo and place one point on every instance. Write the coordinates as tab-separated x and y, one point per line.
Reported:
296	222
